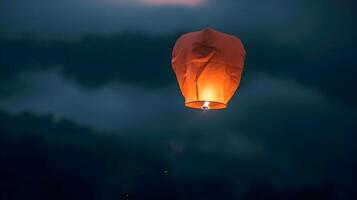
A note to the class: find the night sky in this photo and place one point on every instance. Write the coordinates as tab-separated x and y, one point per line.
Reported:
90	107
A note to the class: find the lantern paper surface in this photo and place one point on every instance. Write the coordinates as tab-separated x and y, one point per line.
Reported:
208	65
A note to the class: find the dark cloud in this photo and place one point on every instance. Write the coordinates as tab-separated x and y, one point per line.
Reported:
105	118
133	58
144	60
311	42
111	107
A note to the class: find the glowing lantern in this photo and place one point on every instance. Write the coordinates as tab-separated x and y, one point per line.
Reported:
208	65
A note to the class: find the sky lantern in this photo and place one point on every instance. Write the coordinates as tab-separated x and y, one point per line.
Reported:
208	65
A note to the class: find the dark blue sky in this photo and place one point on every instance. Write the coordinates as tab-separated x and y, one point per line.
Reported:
286	20
95	80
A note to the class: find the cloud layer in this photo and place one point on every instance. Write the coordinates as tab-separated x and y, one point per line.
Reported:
104	117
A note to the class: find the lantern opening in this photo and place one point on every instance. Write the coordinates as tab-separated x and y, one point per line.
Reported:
205	105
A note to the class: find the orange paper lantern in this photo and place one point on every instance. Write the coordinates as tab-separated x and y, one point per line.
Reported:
208	65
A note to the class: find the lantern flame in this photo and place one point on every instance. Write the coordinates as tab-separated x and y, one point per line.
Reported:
205	105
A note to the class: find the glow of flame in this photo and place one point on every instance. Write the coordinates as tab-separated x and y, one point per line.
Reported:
173	2
209	93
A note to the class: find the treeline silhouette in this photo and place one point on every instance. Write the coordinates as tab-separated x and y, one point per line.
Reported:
44	158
